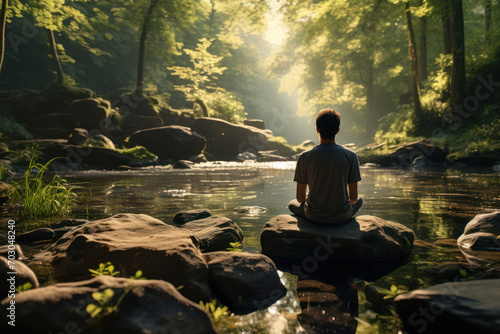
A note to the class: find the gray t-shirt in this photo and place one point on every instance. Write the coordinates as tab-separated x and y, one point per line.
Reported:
327	169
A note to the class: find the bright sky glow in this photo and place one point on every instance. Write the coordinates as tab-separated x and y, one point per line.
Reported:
276	30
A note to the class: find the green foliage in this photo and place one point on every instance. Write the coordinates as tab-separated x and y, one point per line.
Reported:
12	128
235	247
394	291
105	269
26	286
4	172
217	310
396	127
138	152
138	275
38	198
464	276
201	78
105	304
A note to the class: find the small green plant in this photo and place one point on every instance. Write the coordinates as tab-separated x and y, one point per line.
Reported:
26	286
38	198
235	247
138	275
464	276
4	172
105	305
107	269
394	291
215	308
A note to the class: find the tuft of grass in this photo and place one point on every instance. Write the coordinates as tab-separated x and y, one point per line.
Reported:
216	309
40	199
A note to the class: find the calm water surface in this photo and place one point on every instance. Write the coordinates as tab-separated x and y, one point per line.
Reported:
436	205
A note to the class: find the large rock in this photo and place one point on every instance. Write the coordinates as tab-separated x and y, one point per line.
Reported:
150	306
132	242
225	140
38	235
244	282
215	233
133	122
90	113
480	243
362	239
10	281
169	142
482	233
79	157
453	307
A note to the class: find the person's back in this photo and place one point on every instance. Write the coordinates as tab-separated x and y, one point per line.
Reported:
328	170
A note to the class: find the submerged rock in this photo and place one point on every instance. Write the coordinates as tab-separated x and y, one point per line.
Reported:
149	306
132	242
454	307
169	142
23	275
215	233
244	156
244	282
183	164
190	215
250	210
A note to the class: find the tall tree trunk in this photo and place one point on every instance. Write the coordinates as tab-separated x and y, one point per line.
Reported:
142	47
422	55
55	56
487	20
371	121
3	21
446	21
458	83
414	66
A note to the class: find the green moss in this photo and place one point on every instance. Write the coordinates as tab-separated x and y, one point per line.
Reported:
139	153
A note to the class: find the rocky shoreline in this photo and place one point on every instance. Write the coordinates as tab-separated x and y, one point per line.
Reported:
187	261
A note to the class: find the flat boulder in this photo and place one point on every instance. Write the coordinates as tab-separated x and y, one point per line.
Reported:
39	235
149	306
132	242
363	238
244	282
453	307
169	142
215	233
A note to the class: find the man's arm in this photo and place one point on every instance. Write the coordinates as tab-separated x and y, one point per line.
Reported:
301	192
353	192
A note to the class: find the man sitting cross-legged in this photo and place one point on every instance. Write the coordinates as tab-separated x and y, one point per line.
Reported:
331	172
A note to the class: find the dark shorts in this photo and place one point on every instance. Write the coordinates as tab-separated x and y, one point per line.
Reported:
298	208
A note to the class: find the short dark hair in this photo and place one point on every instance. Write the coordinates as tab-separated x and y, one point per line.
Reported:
328	123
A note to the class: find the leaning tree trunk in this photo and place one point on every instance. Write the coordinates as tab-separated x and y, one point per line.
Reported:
3	21
414	66
142	47
458	82
487	21
55	56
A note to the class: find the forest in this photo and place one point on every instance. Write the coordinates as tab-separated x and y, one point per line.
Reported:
396	70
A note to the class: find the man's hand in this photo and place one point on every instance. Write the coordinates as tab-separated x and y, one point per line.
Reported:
353	192
301	192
